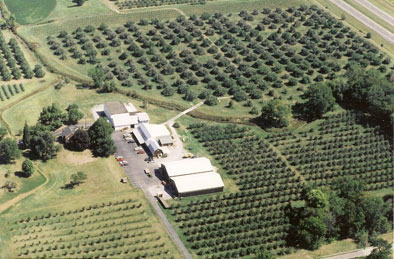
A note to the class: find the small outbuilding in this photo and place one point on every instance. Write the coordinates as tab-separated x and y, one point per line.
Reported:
155	137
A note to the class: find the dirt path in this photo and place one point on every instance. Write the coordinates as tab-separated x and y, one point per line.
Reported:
365	20
20	197
379	12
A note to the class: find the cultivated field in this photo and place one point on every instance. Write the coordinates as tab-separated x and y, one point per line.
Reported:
269	172
253	56
103	214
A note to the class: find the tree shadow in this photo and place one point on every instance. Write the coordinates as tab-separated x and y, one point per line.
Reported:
21	174
68	186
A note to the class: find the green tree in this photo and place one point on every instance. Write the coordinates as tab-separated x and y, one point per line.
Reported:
73	114
38	71
319	101
80	140
100	138
382	249
264	254
375	210
8	150
275	114
311	231
26	135
108	87
42	142
98	76
78	178
52	117
211	100
27	167
104	147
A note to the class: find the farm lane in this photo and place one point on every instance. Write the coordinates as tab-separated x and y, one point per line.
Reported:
364	19
352	254
379	12
167	225
20	197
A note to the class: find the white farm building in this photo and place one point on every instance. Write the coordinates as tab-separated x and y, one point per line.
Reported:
190	177
122	115
155	137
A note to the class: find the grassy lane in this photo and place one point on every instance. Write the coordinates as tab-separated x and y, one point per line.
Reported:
385	5
370	15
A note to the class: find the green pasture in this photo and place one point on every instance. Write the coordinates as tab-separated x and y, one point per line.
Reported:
30	11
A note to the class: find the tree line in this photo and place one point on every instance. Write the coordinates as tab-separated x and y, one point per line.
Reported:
344	211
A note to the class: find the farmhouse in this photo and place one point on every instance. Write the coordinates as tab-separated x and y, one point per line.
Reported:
122	115
155	137
67	133
190	177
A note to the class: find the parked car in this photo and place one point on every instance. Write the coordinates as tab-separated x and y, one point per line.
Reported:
146	171
118	157
188	155
131	141
123	163
137	148
128	135
140	152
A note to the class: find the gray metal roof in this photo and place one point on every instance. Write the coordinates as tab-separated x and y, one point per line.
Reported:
165	140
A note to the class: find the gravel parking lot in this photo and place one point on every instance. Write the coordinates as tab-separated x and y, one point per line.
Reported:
136	165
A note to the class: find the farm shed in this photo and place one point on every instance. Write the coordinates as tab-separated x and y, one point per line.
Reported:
154	137
195	184
190	177
122	115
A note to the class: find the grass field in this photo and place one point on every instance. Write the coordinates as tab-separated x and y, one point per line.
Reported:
30	11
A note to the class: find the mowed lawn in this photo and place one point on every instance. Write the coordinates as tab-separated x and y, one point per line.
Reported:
30	11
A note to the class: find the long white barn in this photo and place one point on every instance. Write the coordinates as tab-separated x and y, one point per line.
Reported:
190	177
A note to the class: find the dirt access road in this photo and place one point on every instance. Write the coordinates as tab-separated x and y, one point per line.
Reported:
352	254
365	20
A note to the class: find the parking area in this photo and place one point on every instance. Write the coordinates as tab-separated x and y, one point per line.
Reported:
136	165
